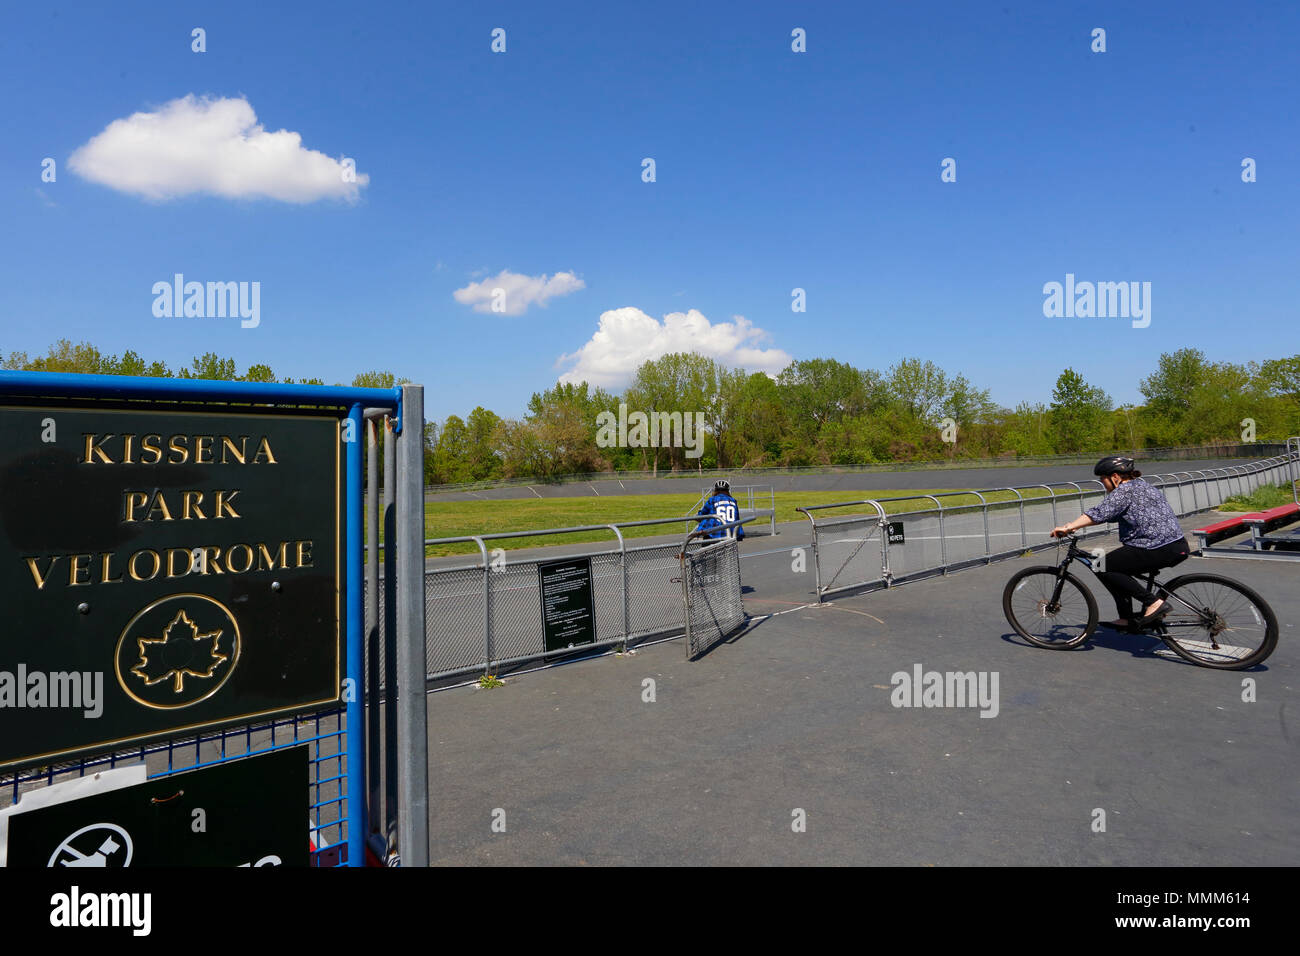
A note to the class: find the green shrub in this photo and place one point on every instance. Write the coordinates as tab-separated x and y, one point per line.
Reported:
1261	499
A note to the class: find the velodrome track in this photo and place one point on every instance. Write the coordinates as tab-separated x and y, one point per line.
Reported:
992	477
795	713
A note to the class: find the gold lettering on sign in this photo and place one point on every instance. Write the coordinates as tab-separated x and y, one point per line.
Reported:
230	559
133	500
304	554
214	562
237	453
135	575
75	570
185	504
152	447
158	502
39	578
105	576
100	449
93	449
171	562
265	562
223	504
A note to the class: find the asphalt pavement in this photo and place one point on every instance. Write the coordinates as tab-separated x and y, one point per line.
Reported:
784	745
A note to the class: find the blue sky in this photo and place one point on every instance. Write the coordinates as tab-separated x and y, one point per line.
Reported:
774	170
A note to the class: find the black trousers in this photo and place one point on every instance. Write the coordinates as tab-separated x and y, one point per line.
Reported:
1124	562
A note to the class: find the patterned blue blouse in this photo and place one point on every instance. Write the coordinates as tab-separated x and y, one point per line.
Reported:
1145	518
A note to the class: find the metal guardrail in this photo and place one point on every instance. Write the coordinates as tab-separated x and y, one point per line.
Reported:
922	542
484	616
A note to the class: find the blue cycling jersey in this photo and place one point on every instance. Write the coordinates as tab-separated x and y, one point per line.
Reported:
719	510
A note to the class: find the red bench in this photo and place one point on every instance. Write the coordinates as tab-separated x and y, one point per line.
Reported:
1220	529
1262	522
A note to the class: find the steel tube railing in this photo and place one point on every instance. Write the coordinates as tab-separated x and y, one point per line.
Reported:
1248	478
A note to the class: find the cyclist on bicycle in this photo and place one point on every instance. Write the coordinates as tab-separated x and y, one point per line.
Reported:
719	510
1149	534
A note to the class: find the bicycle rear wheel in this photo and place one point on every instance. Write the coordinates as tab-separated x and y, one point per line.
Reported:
1060	625
1228	626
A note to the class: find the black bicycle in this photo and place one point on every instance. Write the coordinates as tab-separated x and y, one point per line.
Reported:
1214	621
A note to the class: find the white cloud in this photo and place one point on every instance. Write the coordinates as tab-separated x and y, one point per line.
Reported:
520	291
628	337
216	146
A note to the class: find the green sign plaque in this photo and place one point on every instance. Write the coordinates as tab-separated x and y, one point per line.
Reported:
163	570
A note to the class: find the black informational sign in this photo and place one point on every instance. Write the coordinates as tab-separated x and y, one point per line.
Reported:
896	532
249	812
162	571
568	611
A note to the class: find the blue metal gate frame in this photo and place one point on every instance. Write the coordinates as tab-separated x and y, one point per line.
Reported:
339	760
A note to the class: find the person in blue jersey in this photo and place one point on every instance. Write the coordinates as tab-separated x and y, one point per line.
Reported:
1149	533
721	509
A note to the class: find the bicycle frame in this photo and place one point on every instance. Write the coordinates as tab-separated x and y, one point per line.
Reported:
1075	553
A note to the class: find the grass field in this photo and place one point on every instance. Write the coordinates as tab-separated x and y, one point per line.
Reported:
454	519
1261	499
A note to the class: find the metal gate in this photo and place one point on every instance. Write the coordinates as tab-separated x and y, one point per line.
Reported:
711	590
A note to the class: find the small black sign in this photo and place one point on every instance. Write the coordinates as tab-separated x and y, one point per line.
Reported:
248	812
163	571
896	532
568	611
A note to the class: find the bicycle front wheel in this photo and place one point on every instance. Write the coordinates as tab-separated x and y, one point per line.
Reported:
1058	624
1227	625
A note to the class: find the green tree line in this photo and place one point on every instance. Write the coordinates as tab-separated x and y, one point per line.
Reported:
816	412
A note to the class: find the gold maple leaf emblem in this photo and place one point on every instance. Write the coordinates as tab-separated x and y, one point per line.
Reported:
180	651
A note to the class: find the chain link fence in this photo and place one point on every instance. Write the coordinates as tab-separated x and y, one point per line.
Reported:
486	616
934	534
711	594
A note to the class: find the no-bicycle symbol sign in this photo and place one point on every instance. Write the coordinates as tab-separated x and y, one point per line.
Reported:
163	570
197	818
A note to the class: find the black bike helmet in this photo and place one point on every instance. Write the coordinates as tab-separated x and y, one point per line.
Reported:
722	485
1114	464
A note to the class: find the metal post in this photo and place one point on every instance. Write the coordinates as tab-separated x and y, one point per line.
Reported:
988	551
1292	469
356	665
622	560
687	569
1024	537
390	640
487	610
375	815
413	723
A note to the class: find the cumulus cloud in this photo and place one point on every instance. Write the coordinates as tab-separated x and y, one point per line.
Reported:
628	337
518	292
215	146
